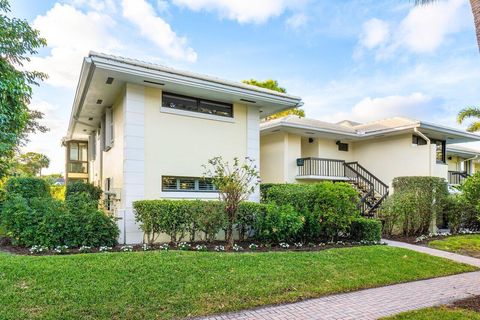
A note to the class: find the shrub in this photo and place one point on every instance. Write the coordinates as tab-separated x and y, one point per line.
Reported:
414	205
77	187
328	208
51	223
363	229
208	217
470	196
279	223
58	192
27	187
247	214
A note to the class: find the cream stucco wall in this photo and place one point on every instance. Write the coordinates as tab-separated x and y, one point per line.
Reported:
272	158
178	145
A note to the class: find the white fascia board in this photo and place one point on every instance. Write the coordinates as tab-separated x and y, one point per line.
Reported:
449	131
159	75
86	75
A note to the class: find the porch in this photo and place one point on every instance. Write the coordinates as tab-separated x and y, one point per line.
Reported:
457	177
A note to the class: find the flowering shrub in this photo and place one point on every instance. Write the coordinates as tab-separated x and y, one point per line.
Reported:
38	249
253	247
146	247
284	245
104	249
85	249
60	249
126	249
237	248
165	247
184	246
201	247
219	248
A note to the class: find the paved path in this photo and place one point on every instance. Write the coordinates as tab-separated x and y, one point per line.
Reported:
434	252
377	302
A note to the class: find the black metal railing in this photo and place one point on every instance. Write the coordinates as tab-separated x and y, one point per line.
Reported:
457	177
320	167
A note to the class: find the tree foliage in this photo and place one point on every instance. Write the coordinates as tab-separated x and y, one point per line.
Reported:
273	85
235	183
32	163
18	41
470	112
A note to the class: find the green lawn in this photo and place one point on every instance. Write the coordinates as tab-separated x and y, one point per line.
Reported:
442	313
164	285
463	244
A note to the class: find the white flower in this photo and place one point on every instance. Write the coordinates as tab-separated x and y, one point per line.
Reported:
237	248
165	247
219	248
284	245
126	248
253	247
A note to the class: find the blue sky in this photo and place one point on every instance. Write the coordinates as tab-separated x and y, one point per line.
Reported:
360	60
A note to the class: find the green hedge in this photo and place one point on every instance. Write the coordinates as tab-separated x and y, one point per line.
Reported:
27	187
77	187
30	216
470	201
363	229
415	203
328	208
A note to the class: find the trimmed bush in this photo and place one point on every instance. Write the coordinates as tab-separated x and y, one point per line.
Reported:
74	188
248	213
328	208
208	217
27	187
58	192
49	222
416	202
280	223
363	229
470	197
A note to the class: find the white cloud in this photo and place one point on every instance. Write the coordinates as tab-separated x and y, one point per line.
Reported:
154	28
96	5
297	20
374	33
71	34
242	11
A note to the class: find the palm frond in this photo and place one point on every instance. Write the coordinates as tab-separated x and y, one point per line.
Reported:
474	127
468	112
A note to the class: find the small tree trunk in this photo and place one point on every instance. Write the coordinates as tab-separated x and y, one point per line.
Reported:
229	237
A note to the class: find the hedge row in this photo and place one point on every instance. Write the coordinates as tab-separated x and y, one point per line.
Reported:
30	216
323	211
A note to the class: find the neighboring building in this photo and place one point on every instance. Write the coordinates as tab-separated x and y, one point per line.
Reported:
370	155
143	131
462	162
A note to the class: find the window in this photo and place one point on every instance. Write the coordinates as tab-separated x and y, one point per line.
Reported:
418	140
179	102
77	161
440	149
342	146
107	129
188	184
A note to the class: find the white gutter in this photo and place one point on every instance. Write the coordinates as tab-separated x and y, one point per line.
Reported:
429	149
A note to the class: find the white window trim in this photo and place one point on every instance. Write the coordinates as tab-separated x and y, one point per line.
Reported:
197	114
188	195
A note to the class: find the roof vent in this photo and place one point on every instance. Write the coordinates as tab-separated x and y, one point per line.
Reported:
153	82
249	101
109	80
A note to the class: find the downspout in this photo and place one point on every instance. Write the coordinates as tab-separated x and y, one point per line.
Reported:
424	137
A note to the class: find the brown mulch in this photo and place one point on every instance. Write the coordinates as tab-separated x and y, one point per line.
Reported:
6	246
472	303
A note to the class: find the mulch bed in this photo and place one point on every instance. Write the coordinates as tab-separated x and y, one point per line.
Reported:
472	303
6	246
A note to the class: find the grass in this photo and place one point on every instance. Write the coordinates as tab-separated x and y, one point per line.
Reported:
165	285
441	313
463	244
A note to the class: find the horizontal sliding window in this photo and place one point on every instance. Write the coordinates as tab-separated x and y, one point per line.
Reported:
170	183
179	102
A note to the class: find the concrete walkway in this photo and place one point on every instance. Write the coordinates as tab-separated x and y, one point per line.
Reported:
434	252
378	302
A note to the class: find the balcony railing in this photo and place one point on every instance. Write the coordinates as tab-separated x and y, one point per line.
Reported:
320	167
457	177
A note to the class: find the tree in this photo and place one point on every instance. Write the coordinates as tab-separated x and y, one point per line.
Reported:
17	42
470	112
273	85
235	183
474	4
32	163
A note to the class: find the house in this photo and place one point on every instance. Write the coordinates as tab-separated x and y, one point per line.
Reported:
462	162
143	131
370	155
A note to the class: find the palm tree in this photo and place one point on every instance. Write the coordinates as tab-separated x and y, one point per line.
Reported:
470	112
475	4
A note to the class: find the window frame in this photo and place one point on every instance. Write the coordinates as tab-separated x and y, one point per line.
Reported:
198	104
443	145
82	162
196	181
